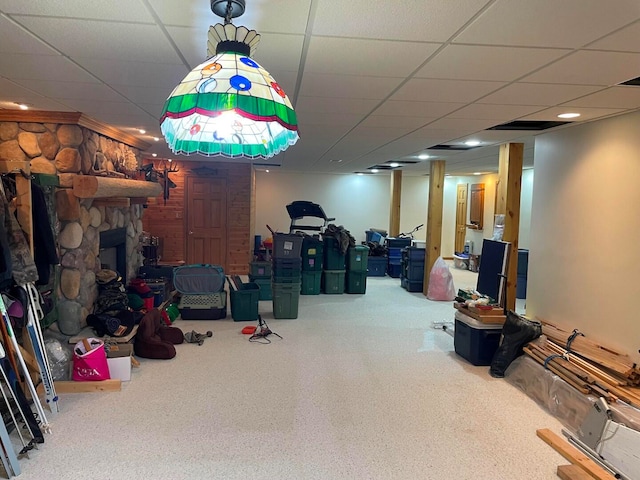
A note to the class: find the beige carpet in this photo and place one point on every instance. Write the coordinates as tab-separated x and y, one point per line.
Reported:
360	387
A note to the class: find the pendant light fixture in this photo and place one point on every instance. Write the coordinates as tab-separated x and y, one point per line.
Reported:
229	105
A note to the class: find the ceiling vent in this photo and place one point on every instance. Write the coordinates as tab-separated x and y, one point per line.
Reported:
452	147
403	162
530	125
634	82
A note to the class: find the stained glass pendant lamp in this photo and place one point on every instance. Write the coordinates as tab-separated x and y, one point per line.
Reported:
229	105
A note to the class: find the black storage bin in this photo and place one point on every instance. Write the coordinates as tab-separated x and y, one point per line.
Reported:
392	242
410	285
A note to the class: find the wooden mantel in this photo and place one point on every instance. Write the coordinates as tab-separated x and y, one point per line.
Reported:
73	118
90	186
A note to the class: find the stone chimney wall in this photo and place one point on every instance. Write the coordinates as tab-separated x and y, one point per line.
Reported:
67	151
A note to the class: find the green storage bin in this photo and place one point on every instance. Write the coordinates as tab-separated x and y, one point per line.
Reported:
357	258
311	283
333	281
312	254
244	302
287	278
265	286
334	259
286	297
356	282
260	269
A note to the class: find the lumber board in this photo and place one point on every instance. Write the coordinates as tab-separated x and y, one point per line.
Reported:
489	319
117	202
575	456
69	386
572	472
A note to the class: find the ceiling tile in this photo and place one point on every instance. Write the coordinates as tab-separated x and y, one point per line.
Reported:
77	90
335	105
537	94
434	21
125	10
283	16
14	39
587	67
625	40
472	62
107	40
95	108
615	97
461	124
143	95
348	86
328	119
548	23
437	90
396	121
365	57
585	113
140	74
42	67
417	109
500	113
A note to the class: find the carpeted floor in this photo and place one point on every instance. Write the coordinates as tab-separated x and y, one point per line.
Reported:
360	387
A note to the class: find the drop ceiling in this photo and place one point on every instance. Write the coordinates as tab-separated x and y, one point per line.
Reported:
372	81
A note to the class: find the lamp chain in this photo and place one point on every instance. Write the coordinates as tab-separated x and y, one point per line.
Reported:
227	17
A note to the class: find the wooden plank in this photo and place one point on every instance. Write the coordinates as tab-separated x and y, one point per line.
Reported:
572	472
434	219
490	319
394	204
69	386
574	455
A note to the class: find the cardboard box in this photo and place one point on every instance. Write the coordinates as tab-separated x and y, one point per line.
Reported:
119	361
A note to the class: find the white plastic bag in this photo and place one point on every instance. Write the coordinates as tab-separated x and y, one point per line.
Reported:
441	282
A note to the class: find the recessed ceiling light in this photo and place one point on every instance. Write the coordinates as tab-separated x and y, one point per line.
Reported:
142	131
568	115
424	156
477	173
394	164
156	139
154	154
374	170
267	171
359	174
472	143
170	160
335	161
23	106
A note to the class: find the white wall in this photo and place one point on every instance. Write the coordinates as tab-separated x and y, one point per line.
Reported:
583	261
362	202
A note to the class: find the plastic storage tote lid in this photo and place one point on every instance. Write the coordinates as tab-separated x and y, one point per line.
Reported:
198	279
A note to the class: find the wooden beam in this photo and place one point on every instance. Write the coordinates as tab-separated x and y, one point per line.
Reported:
509	204
139	200
434	218
89	186
574	455
394	206
69	386
118	202
572	472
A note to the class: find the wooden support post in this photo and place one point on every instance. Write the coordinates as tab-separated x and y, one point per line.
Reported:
394	210
508	203
434	218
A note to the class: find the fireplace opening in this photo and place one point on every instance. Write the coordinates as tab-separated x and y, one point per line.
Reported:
113	251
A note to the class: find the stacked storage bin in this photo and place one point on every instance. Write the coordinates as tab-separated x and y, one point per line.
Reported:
202	288
333	275
357	262
412	267
286	275
312	259
260	274
394	253
244	299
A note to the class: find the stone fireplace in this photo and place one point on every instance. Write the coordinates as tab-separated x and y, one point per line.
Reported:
91	222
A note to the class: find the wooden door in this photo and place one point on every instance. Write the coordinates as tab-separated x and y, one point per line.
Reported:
461	217
206	214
